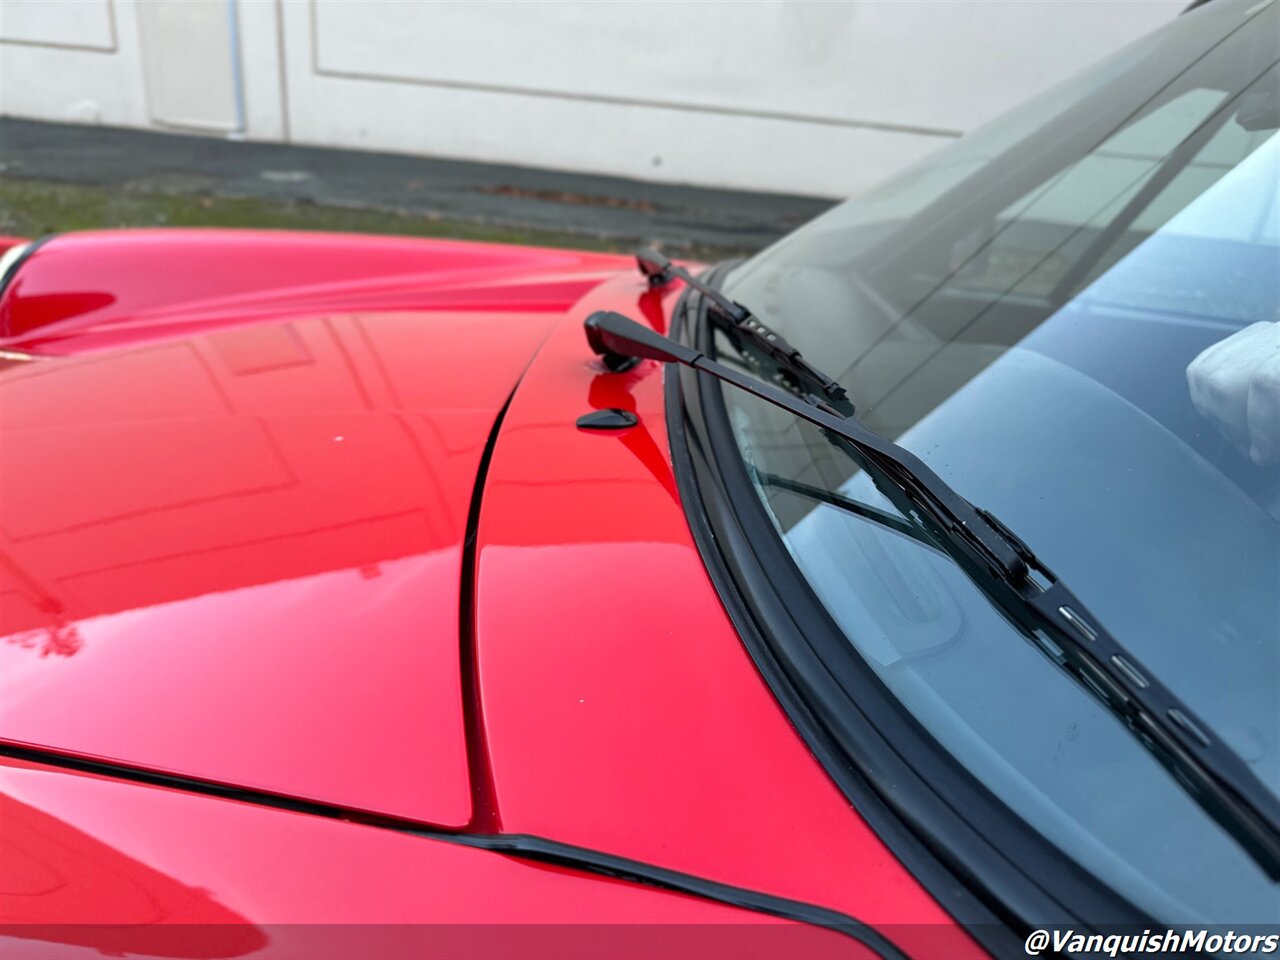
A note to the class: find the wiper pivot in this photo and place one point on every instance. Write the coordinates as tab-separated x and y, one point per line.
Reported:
749	331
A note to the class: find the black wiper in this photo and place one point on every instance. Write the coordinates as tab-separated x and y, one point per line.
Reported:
835	499
1022	587
748	333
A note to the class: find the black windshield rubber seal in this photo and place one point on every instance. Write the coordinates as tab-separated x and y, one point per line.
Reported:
992	872
519	845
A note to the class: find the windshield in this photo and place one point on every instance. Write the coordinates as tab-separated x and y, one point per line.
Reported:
1071	316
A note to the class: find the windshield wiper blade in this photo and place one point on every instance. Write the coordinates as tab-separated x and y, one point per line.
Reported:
836	499
1020	585
748	333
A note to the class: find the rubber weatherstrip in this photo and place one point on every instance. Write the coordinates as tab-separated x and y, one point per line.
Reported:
981	882
537	848
522	846
920	861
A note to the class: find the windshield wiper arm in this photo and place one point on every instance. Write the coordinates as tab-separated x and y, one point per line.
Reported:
748	332
1028	593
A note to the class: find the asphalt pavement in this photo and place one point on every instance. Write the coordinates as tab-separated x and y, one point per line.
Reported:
270	182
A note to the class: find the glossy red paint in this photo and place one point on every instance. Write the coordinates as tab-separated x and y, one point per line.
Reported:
234	551
237	556
90	291
130	869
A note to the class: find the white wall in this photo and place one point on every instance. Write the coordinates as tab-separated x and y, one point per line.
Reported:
807	97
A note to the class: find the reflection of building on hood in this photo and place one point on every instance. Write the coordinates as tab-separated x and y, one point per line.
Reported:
54	870
60	638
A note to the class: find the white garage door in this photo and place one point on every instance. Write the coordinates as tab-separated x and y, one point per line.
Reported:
806	97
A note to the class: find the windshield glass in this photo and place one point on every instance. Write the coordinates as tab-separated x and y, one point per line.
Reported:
1071	316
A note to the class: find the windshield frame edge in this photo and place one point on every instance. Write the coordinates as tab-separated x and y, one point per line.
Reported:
942	844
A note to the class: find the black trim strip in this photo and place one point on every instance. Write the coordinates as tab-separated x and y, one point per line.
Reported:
693	469
968	850
523	846
207	788
536	848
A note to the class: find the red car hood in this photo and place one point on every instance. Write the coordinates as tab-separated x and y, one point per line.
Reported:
235	503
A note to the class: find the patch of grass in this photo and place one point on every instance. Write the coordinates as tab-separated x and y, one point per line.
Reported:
33	208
